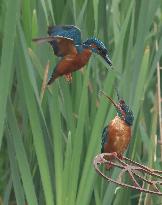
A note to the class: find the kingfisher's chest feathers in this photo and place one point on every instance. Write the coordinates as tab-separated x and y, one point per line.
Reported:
74	62
119	134
82	58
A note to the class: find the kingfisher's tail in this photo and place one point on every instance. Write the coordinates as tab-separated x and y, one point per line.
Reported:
43	39
52	78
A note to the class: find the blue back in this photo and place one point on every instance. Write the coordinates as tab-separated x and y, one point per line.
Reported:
68	31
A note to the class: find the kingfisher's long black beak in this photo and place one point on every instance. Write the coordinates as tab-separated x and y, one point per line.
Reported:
117	106
107	59
108	98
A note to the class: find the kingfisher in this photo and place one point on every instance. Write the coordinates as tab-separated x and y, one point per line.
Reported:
117	134
67	44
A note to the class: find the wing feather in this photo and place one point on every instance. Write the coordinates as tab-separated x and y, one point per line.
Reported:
104	138
67	31
62	39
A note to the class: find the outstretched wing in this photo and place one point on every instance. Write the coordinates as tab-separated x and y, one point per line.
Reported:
67	31
62	39
67	37
61	46
104	138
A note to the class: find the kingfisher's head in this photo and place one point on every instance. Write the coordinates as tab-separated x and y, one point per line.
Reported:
123	110
98	47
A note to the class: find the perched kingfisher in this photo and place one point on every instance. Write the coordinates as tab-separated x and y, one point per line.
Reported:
116	135
67	44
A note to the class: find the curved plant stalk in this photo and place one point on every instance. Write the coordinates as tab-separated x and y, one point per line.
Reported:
137	172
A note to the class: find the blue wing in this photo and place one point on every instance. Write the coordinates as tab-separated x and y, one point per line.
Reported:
104	138
68	31
63	39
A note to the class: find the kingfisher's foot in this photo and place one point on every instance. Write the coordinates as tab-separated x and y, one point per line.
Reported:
120	156
108	166
68	77
114	154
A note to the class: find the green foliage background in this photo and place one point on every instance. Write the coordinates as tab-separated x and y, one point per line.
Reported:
47	149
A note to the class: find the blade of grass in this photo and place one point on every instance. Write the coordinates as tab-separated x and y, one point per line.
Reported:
67	169
7	192
95	8
143	27
18	189
57	143
45	11
78	140
39	142
26	20
12	14
21	157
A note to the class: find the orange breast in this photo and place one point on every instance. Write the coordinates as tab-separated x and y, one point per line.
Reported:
83	57
119	134
71	63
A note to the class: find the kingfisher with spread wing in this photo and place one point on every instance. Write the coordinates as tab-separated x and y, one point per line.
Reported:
116	135
67	44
